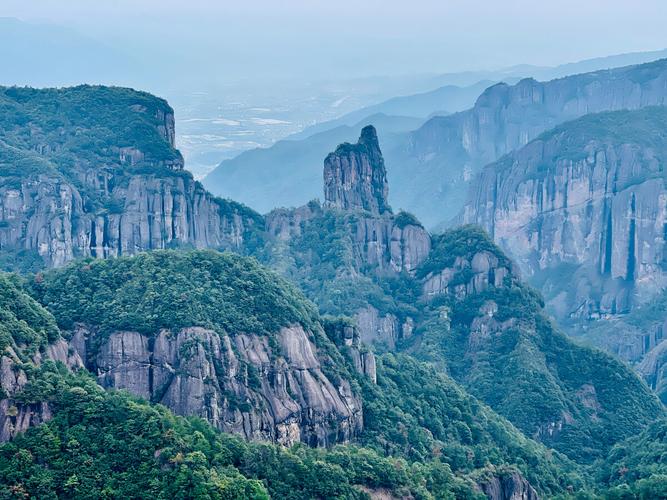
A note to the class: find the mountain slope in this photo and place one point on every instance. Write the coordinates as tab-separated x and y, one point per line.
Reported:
637	466
455	300
93	171
291	170
90	440
437	162
443	100
587	198
207	334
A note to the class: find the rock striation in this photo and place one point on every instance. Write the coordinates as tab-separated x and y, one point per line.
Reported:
355	177
49	216
372	240
15	415
242	384
438	161
106	182
583	210
346	337
508	486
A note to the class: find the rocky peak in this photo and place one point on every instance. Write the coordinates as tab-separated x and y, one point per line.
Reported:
355	176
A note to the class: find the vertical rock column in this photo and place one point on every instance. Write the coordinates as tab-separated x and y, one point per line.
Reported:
355	176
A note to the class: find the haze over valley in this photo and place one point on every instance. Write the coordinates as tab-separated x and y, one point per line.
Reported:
355	250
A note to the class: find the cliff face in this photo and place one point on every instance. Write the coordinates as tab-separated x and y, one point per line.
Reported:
512	486
355	177
491	334
583	210
367	246
438	161
15	415
594	204
208	334
28	338
353	237
240	384
49	216
104	182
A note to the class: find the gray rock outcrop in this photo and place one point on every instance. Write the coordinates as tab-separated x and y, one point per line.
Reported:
15	415
48	216
442	157
467	276
243	384
512	486
108	183
355	177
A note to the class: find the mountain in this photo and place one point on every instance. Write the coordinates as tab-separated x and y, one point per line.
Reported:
584	200
197	361
93	171
435	163
298	161
299	155
443	100
426	367
29	338
120	444
456	301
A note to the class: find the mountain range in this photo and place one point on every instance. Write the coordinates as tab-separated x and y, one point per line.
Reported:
435	162
159	341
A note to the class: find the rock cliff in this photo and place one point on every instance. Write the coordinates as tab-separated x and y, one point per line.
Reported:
16	415
436	163
104	181
208	334
509	486
355	177
583	210
28	338
489	331
239	384
354	237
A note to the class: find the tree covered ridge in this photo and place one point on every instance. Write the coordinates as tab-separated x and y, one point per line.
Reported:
108	445
24	324
173	289
87	122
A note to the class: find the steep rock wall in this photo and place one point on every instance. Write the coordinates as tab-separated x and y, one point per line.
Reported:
240	384
49	216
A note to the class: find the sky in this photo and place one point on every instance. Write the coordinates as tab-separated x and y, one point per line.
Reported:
257	39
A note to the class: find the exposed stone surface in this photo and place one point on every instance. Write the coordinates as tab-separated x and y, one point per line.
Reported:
15	416
240	384
377	242
583	211
355	177
653	368
114	184
49	216
467	276
383	245
380	243
375	328
443	156
508	487
347	339
600	219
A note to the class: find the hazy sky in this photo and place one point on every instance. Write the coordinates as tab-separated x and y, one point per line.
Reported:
266	38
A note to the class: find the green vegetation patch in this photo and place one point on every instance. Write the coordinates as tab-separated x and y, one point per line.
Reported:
170	289
24	324
464	242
